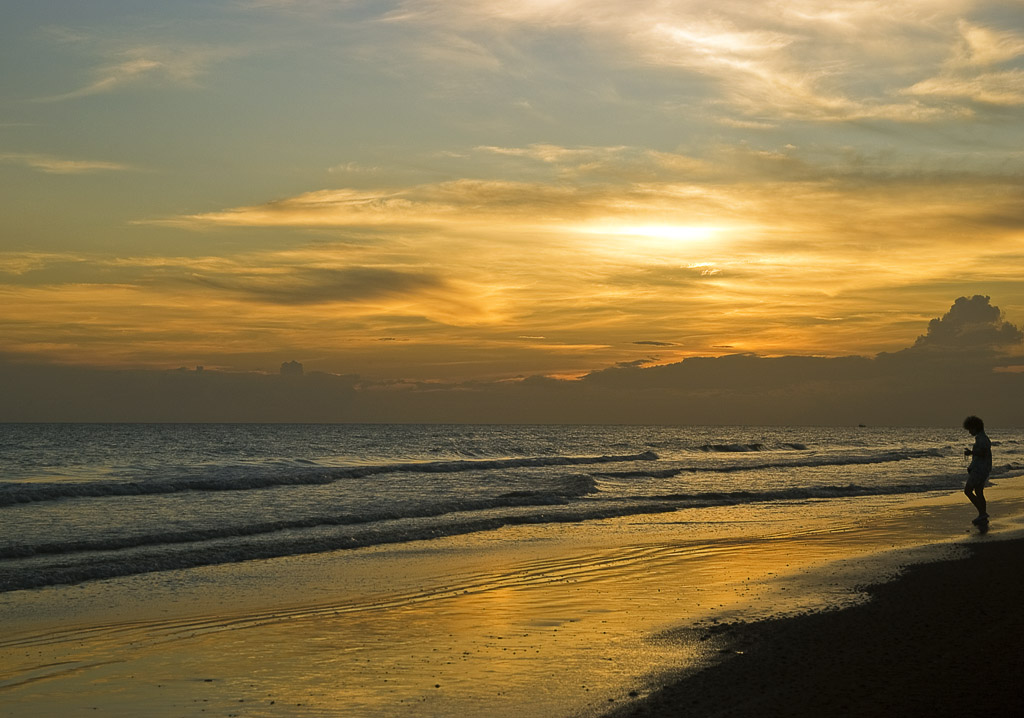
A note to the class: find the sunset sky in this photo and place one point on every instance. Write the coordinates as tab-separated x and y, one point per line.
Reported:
450	190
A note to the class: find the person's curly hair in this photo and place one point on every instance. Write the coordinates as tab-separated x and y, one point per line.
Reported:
973	424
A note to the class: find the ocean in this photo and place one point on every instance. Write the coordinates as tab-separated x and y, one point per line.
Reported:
80	502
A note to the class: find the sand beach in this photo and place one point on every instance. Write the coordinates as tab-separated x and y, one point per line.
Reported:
603	617
941	640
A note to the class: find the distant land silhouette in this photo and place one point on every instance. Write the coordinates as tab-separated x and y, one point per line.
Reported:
967	361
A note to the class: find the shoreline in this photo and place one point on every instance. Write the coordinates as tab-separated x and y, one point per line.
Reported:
556	619
940	640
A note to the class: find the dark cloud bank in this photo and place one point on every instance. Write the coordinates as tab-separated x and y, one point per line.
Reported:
964	363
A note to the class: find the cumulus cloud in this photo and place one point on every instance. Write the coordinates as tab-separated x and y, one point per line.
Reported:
971	324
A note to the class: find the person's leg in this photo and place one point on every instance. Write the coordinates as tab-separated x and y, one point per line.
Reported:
969	492
975	491
979	501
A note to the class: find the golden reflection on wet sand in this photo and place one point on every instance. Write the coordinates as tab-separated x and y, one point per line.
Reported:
565	619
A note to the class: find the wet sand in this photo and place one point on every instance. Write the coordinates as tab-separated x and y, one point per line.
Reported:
551	620
945	639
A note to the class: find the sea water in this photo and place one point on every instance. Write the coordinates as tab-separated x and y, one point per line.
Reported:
81	502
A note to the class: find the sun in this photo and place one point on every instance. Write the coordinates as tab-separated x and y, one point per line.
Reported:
654	239
663	232
666	232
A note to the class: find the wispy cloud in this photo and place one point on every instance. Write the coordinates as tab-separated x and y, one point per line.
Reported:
120	64
323	298
982	46
995	88
975	69
63	166
594	189
325	208
18	263
304	286
755	64
795	61
467	204
556	154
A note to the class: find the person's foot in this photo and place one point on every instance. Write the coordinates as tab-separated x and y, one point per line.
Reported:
983	518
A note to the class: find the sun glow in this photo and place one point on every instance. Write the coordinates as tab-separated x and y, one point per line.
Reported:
664	232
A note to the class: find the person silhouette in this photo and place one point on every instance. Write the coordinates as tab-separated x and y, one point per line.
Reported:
979	469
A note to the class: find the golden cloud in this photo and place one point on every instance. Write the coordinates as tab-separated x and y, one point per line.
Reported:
772	255
994	88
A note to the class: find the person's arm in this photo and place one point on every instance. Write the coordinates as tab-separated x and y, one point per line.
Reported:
972	452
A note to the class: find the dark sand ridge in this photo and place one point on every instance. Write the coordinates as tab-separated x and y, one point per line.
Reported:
944	639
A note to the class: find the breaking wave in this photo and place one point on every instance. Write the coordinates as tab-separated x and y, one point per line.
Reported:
31	566
819	461
245	478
